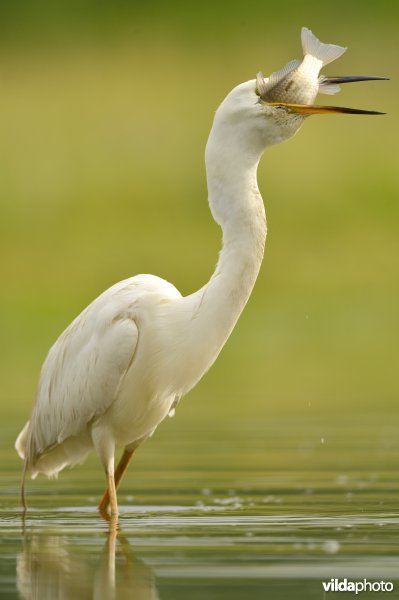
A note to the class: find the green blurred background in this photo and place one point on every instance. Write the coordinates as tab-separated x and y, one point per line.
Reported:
105	108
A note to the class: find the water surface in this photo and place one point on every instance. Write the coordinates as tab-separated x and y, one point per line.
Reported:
242	510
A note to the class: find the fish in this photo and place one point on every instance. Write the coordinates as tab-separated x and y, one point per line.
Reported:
298	82
295	86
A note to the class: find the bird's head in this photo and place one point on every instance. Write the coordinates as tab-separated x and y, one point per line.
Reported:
247	111
268	110
245	116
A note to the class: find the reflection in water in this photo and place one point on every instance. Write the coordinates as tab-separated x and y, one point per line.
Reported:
48	568
277	514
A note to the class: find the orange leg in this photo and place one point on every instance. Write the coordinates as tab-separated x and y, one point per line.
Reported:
113	500
23	498
119	472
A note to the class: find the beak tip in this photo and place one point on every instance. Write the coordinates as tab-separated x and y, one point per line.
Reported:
351	79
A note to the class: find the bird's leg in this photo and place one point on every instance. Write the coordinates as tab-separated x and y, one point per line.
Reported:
112	492
119	472
22	494
105	448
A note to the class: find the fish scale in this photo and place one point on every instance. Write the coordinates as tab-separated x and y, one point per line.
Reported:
298	82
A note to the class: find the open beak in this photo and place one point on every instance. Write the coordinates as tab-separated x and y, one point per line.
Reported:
352	79
315	109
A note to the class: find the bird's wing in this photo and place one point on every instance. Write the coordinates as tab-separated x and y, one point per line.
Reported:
82	372
85	367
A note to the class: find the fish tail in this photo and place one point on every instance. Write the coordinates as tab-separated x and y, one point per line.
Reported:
324	52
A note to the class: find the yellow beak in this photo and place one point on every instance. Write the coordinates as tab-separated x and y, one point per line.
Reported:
315	109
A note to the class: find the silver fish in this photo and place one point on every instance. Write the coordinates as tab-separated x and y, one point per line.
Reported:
298	82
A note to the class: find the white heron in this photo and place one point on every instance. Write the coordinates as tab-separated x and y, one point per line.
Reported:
124	363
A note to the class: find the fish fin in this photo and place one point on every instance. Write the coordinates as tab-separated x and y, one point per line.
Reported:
277	76
328	88
324	52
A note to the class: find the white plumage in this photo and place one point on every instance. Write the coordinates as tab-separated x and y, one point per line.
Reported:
126	360
85	371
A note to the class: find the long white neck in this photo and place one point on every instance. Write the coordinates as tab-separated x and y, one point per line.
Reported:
237	206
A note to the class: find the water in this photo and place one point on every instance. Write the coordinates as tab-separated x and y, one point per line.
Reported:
236	510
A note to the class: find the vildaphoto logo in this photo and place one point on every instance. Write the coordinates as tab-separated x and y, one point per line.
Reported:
345	585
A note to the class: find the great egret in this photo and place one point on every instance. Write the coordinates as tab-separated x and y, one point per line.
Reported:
124	363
